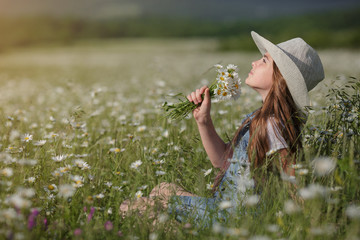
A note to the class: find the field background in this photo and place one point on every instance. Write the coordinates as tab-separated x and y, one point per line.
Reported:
94	93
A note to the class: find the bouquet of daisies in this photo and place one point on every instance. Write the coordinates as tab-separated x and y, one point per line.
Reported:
225	87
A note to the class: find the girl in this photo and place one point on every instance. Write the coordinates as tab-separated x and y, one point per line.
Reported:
282	76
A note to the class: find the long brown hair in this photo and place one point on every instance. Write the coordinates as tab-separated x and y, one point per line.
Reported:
287	118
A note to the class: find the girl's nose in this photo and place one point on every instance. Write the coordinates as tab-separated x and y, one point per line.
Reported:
253	64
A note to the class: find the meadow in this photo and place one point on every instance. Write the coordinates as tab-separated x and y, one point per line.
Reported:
82	129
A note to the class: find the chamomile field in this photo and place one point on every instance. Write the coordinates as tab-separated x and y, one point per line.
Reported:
82	130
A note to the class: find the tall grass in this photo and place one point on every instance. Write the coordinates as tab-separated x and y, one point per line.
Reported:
73	184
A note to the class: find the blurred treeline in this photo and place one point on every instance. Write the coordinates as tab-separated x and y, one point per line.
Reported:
336	29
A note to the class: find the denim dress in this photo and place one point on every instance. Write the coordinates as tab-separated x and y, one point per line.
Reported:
232	190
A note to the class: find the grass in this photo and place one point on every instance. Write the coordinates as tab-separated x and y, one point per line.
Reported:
100	103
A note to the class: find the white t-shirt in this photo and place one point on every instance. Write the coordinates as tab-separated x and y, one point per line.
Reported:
275	142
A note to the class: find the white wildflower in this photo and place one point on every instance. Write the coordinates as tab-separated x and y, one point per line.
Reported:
58	158
30	179
143	187
141	128
228	83
297	166
66	190
117	150
153	236
81	164
252	200
28	162
165	134
51	188
157	161
78	181
27	137
353	211
323	166
209	186
312	191
109	211
303	171
57	173
207	172
8	214
160	173
100	196
65	169
19	201
138	194
136	164
272	228
259	237
288	178
290	207
225	204
7	172
217	228
26	192
163	217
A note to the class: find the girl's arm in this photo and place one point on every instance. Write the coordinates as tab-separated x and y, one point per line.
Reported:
214	146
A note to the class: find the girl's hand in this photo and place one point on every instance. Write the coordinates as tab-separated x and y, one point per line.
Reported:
202	112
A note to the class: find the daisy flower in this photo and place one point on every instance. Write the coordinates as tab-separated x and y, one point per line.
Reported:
100	196
138	194
7	172
30	179
51	188
81	164
117	150
66	190
59	158
78	181
39	143
323	166
27	137
207	172
135	165
57	173
65	169
160	173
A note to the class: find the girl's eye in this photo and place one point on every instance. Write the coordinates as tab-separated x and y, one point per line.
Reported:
264	60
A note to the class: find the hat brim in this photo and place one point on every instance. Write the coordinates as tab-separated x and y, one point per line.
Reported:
292	75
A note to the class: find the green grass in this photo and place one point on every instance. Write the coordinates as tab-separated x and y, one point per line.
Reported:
101	102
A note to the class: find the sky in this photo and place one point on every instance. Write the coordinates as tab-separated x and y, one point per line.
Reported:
198	9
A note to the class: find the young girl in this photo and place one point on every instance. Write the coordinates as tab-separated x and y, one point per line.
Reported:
282	76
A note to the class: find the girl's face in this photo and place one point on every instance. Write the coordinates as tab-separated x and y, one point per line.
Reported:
260	77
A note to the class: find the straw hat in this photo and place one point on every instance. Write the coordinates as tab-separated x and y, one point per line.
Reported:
299	64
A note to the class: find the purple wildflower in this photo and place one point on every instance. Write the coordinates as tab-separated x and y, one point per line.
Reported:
108	226
32	218
77	232
92	210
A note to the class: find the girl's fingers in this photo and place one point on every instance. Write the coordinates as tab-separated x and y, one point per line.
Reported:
193	96
189	98
198	95
202	89
206	96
